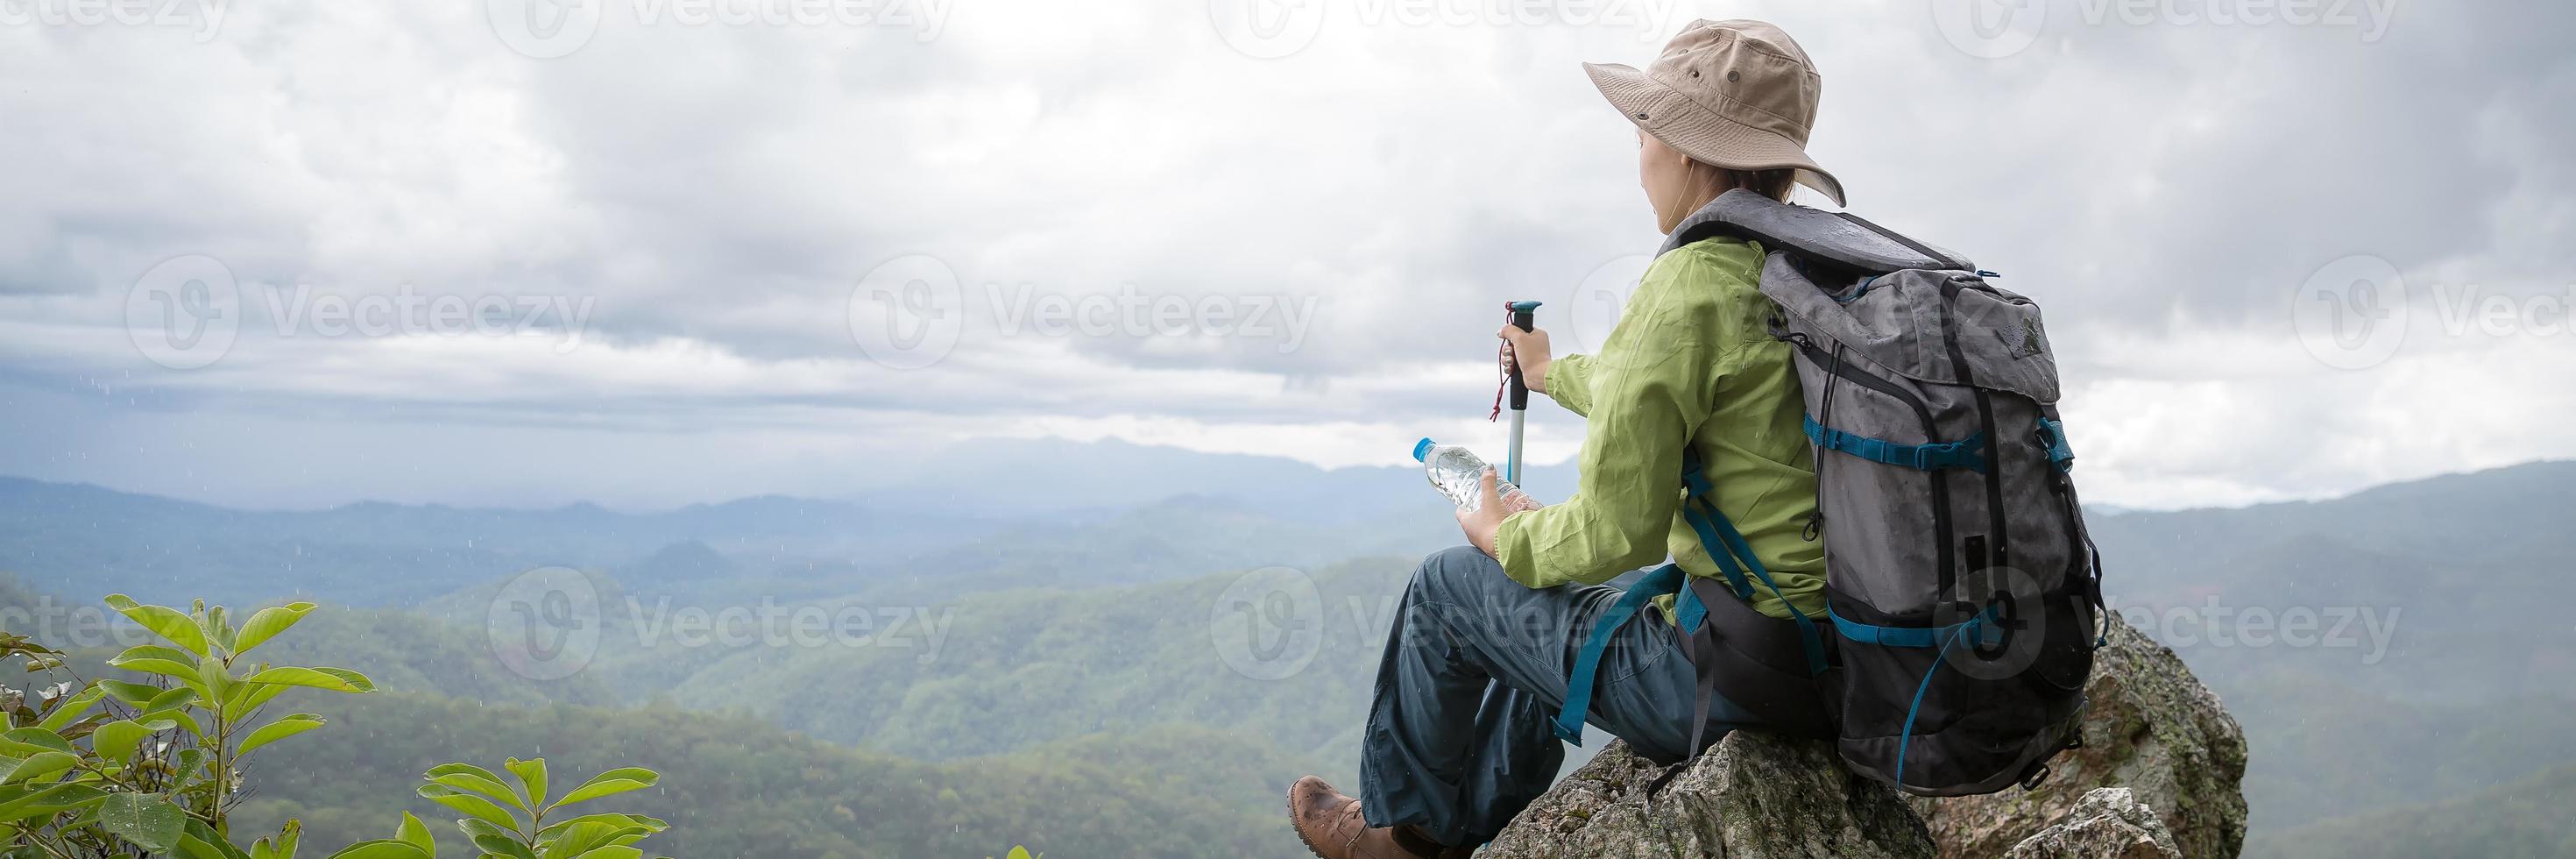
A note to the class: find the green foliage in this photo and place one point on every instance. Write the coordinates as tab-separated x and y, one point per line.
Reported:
509	821
734	786
118	767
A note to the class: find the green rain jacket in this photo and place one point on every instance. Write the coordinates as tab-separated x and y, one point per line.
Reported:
1691	361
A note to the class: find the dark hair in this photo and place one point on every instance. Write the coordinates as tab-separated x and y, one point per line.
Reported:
1774	184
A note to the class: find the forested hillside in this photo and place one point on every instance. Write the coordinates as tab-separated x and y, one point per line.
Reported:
1125	663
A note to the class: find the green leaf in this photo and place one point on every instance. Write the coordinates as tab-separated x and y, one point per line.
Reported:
40	766
214	676
333	679
284	727
283	846
32	740
219	628
267	623
156	659
249	696
170	700
382	848
610	783
500	846
115	741
532	777
67	712
613	851
131	693
473	806
50	801
169	623
476	779
146	819
201	842
413	833
476	829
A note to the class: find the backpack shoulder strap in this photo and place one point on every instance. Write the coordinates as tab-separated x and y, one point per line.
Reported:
1840	238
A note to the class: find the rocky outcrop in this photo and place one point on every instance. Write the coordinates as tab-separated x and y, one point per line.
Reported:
2108	823
1753	796
2152	731
2150	727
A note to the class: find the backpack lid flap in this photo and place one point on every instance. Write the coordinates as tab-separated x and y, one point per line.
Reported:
1836	237
1896	321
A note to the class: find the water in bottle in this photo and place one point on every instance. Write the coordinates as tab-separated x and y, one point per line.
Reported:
1458	473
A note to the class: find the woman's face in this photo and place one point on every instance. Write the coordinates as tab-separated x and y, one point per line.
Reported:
1666	175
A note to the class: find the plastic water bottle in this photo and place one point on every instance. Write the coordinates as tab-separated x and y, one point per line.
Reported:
1458	473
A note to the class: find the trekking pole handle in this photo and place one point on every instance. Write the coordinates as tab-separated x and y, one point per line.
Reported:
1524	317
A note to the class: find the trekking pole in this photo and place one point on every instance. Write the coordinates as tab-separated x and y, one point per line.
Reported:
1524	317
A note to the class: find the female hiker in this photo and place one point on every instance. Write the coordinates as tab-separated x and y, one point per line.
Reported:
1463	731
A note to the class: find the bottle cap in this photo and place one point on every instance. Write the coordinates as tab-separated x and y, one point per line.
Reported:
1421	450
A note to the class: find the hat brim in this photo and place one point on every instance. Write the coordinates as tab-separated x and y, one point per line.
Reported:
1703	134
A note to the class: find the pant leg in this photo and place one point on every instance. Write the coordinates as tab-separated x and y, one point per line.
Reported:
1475	668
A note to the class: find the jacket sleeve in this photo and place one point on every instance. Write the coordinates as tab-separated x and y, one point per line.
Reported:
1569	383
1645	394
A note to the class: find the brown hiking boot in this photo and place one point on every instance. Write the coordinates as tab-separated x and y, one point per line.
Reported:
1332	828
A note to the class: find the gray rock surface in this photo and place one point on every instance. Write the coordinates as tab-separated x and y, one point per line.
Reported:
2108	823
2151	730
2150	727
1753	796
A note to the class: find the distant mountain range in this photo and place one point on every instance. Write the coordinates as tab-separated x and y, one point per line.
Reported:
2386	650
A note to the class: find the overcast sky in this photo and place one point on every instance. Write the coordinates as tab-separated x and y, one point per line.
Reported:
666	251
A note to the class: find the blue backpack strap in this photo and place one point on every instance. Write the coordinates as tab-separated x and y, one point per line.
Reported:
1948	636
1578	684
2059	454
1921	457
1734	556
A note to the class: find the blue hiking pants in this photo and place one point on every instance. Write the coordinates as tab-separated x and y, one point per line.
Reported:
1475	668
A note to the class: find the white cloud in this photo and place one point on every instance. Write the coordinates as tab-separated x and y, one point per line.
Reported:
716	191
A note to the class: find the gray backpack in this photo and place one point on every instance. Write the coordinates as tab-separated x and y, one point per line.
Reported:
1964	592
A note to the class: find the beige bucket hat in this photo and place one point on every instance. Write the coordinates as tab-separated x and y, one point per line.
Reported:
1737	94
